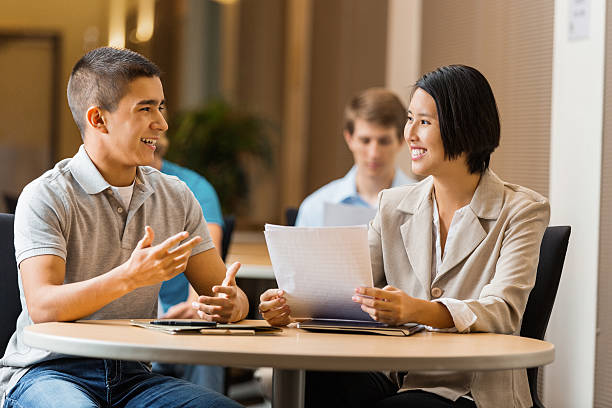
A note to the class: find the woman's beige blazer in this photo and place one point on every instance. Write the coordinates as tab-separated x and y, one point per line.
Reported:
490	266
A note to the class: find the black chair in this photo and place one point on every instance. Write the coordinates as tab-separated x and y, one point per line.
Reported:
291	215
9	289
11	203
542	296
228	229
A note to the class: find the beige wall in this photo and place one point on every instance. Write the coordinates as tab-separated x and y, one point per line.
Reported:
349	45
404	57
346	53
260	78
603	337
28	129
511	44
72	19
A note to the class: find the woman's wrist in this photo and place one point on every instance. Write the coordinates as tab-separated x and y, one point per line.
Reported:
433	314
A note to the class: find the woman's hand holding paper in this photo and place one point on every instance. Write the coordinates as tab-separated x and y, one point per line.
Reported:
388	305
394	307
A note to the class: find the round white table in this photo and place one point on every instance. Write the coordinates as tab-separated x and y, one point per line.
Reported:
293	351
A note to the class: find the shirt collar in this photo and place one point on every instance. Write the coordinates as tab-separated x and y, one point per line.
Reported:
347	185
88	176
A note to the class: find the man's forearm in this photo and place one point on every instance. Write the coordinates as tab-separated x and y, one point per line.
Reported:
72	301
49	299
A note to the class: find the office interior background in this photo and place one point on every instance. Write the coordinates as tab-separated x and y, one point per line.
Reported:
295	63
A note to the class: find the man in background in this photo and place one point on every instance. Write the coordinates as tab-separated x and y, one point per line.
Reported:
374	123
176	295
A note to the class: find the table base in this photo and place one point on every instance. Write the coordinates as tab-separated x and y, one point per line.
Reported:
288	388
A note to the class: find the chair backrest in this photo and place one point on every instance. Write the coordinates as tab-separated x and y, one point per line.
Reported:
542	296
11	203
228	229
291	215
9	289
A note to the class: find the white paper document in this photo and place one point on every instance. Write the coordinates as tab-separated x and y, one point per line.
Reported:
336	215
320	267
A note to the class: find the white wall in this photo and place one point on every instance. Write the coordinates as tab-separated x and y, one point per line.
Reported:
403	56
575	178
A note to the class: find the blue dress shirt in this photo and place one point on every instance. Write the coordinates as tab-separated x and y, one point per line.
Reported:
341	191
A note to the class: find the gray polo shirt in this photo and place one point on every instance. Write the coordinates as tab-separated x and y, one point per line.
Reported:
71	212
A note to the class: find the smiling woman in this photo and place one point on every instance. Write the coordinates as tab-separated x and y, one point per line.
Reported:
472	129
423	136
457	251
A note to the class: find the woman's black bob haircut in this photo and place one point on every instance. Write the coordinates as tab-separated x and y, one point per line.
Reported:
467	113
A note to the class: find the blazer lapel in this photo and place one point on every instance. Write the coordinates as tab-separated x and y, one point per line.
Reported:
417	235
469	235
486	204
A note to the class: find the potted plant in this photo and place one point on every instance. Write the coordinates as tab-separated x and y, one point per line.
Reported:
215	141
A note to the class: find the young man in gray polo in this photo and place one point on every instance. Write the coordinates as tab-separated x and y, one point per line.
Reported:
95	237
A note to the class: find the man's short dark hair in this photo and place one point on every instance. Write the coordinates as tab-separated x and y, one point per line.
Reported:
467	113
376	105
101	77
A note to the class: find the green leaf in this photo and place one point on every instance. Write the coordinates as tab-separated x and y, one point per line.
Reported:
213	141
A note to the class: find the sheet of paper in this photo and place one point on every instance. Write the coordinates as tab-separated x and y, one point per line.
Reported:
336	215
319	268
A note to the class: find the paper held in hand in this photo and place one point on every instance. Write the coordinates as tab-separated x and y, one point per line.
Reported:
320	267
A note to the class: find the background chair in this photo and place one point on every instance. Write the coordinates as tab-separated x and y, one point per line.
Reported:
10	202
542	297
9	289
228	230
290	216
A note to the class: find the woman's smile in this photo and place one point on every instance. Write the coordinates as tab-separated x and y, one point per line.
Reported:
417	153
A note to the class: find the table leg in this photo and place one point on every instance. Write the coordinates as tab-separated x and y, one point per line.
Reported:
288	388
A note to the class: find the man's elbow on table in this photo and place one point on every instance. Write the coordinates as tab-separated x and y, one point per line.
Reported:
40	314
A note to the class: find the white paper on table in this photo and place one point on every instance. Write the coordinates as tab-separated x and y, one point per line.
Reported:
336	215
320	267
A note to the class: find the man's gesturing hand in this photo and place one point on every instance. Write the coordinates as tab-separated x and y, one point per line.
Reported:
149	265
274	308
225	306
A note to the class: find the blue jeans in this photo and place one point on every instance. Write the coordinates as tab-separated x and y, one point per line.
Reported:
84	382
212	377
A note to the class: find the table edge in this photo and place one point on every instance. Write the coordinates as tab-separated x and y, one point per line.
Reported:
104	349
